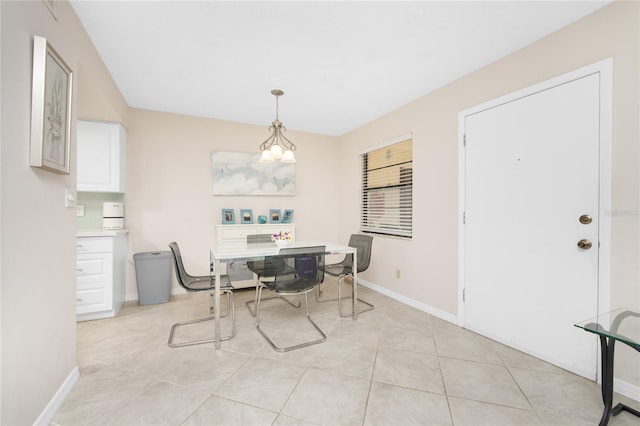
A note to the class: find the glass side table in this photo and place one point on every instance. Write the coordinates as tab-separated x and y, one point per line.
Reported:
622	325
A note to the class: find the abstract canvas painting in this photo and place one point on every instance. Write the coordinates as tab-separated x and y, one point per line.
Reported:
238	173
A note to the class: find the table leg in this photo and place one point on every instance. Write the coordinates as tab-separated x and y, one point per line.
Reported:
621	407
354	286
216	297
607	351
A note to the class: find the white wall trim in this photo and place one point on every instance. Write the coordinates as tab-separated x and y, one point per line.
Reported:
63	391
410	302
135	297
462	176
130	297
627	389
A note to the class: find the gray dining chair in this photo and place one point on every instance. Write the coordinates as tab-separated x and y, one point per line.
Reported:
305	271
196	284
263	270
343	270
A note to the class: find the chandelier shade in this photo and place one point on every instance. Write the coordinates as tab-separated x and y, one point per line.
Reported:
277	146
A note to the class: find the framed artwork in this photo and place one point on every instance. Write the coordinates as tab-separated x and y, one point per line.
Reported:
228	217
274	216
246	216
238	173
50	109
287	216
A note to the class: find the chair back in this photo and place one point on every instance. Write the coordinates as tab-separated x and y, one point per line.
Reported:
181	273
305	262
363	244
260	267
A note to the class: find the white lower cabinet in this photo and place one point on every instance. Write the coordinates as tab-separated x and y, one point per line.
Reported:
100	276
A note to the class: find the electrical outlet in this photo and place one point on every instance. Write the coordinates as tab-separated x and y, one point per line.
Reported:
80	210
69	198
398	273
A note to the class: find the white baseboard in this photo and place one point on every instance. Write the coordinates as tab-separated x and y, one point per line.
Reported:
133	297
408	301
626	389
52	407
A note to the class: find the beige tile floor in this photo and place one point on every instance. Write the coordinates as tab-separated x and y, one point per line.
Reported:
395	365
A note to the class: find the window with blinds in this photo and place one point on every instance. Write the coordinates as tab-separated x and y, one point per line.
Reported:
387	190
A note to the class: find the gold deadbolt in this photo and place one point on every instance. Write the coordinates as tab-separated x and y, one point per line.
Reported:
585	219
584	244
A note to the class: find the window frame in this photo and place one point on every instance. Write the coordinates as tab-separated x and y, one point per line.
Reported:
395	221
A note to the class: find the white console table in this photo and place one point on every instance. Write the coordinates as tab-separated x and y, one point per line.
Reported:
235	236
230	237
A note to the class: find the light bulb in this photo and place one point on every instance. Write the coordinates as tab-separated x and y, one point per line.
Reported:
276	151
266	157
288	157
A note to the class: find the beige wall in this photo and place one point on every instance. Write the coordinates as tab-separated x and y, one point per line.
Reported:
37	232
429	262
170	191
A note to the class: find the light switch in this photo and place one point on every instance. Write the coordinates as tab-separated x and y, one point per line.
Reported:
69	197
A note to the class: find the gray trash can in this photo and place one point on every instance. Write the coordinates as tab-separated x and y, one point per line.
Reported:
153	275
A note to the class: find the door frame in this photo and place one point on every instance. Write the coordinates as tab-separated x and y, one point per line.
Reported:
605	69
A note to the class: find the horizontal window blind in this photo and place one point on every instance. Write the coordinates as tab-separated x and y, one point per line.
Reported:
387	190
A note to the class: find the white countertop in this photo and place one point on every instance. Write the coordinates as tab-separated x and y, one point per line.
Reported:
101	233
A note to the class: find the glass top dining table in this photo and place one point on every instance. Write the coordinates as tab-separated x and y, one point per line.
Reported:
258	251
619	325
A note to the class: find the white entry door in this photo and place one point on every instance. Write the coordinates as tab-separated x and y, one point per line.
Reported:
531	232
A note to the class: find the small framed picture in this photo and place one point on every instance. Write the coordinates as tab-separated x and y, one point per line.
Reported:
287	217
228	216
274	216
246	216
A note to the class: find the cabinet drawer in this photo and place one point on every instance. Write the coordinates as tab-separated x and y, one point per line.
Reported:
238	234
274	229
94	298
94	245
234	244
94	267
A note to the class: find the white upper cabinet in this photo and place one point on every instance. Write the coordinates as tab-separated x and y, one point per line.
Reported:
101	157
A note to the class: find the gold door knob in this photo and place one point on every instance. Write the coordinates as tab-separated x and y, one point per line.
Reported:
584	244
585	219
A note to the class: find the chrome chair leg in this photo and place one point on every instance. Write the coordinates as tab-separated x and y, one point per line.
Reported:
255	303
343	315
319	298
293	347
211	318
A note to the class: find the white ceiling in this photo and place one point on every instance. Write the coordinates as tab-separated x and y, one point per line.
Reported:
340	64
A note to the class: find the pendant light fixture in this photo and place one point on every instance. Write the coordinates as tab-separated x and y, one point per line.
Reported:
277	146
